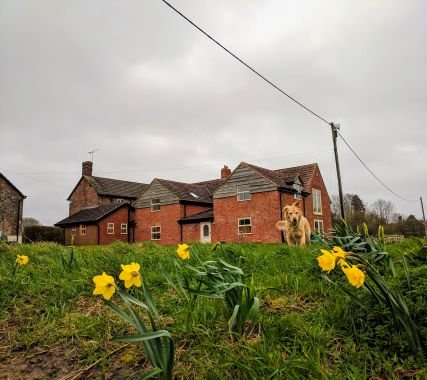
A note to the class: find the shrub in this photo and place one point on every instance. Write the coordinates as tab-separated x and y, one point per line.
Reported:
33	234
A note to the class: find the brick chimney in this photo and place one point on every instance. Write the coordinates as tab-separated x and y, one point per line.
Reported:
225	172
87	168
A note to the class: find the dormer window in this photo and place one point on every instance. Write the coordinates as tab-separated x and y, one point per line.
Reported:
155	204
298	189
243	193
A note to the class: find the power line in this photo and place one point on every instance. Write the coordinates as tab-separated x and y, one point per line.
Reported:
174	168
284	93
373	174
245	64
38	180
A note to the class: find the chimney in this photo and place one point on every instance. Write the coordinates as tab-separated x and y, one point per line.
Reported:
225	172
87	168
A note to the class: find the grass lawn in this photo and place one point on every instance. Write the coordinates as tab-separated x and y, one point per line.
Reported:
51	326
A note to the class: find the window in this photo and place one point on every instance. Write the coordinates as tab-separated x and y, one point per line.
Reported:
155	233
73	231
124	229
194	195
318	226
83	229
155	204
243	193
298	188
317	202
206	230
244	226
110	228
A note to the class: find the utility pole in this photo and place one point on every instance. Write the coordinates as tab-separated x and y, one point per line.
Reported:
334	128
424	216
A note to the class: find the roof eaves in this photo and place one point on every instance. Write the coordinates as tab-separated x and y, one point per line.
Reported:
11	184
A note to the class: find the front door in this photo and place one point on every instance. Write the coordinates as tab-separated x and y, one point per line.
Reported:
205	232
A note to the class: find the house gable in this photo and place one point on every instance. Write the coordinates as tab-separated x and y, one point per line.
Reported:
244	175
156	190
318	183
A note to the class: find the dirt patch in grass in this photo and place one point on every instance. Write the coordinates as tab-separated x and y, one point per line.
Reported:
62	362
299	304
53	362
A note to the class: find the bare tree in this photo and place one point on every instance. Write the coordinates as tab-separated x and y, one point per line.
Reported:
383	210
29	221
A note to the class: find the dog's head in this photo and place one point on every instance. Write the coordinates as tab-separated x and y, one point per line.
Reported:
292	214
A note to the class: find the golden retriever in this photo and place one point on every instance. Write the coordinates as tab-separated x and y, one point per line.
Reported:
295	225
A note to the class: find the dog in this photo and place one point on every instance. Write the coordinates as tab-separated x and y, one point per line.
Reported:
295	225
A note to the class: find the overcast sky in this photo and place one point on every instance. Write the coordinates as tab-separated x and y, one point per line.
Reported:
159	99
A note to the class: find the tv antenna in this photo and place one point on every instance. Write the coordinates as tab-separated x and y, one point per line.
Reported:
92	152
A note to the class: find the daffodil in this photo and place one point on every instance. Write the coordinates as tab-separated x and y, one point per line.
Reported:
339	254
354	275
22	260
326	261
183	251
130	275
104	285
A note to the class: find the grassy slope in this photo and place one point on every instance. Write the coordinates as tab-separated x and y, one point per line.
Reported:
308	329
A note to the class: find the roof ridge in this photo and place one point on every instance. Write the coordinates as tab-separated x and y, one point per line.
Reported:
114	179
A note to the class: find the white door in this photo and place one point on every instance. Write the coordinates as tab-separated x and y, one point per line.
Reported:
205	232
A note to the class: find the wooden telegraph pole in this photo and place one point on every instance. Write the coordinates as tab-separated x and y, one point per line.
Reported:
424	216
334	128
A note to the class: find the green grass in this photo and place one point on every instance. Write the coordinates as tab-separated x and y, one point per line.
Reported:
307	328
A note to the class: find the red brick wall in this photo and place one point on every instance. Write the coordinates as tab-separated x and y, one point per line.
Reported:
118	217
317	183
193	209
91	237
191	232
263	208
167	218
83	196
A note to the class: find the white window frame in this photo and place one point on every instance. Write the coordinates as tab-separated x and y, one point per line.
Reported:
83	229
244	225
120	200
155	232
155	206
73	231
124	228
243	195
317	201
110	228
317	229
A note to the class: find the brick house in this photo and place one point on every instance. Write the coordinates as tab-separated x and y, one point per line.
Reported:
169	212
100	209
102	224
250	201
11	206
241	206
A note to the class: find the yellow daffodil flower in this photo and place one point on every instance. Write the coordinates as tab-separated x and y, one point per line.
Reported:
354	275
183	251
22	260
104	285
130	275
339	254
326	261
